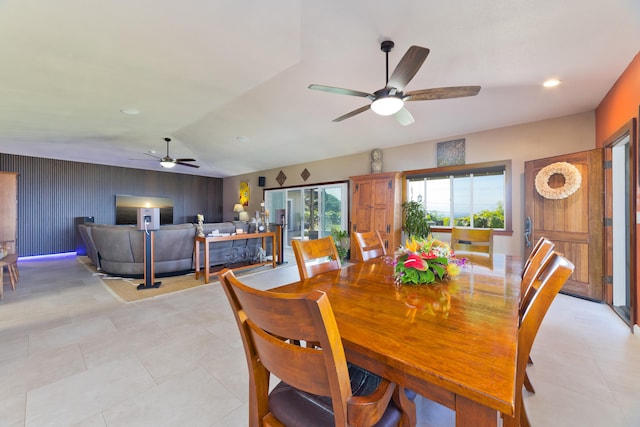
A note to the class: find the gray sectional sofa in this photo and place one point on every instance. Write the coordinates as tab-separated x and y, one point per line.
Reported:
119	249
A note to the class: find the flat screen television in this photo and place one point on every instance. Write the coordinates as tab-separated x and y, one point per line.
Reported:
127	208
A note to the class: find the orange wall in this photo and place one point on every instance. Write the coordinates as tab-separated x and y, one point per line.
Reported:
617	108
621	103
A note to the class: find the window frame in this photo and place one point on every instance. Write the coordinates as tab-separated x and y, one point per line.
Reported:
474	168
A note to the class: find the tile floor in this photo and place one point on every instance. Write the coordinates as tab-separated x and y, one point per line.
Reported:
73	355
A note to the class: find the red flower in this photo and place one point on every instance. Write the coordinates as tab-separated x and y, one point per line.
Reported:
429	255
414	261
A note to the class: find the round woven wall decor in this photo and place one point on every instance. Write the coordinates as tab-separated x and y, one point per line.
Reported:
572	180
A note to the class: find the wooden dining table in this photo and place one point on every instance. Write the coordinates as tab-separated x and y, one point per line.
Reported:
453	342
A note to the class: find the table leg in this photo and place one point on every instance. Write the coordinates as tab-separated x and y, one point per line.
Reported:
471	413
196	251
1	280
274	249
207	271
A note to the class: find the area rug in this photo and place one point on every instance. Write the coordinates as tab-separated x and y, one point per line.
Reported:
125	289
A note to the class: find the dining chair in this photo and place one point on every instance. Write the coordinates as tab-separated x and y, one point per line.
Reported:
8	258
478	240
317	386
533	265
11	262
536	261
315	256
552	277
543	244
369	245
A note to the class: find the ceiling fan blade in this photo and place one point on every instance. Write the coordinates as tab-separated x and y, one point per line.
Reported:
342	91
152	155
408	67
442	93
353	113
186	164
404	117
185	160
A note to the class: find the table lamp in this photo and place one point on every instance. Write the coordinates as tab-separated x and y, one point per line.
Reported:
237	208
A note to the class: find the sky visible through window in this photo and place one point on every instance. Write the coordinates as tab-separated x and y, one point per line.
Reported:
488	193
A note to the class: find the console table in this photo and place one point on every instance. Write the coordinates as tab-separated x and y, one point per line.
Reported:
207	240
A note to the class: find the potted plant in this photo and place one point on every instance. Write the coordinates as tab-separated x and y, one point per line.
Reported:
341	239
415	222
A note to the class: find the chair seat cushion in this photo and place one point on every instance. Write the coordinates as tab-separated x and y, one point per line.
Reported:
296	408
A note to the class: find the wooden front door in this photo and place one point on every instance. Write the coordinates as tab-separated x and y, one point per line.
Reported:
574	223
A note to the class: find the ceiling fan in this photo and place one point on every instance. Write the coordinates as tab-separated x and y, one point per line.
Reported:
390	99
169	162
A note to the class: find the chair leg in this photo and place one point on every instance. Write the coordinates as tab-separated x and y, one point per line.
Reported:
406	406
524	419
13	275
527	384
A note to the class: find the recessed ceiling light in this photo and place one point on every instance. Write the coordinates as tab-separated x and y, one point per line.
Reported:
130	111
551	83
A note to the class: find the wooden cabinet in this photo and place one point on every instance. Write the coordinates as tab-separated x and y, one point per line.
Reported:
8	210
376	205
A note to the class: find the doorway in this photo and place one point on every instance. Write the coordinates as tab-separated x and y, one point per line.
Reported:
310	212
620	222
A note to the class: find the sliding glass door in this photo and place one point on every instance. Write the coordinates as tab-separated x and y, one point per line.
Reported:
309	212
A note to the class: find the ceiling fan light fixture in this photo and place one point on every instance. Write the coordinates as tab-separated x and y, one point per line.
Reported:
551	83
167	164
387	105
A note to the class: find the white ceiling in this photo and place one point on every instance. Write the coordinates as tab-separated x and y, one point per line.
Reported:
227	79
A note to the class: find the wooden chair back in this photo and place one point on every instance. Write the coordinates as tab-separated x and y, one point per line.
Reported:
537	261
542	241
315	256
479	240
553	276
534	264
369	245
271	325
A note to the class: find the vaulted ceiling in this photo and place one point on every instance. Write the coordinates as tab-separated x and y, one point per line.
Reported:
227	80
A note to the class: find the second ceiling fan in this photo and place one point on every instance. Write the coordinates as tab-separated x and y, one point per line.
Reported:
169	162
390	99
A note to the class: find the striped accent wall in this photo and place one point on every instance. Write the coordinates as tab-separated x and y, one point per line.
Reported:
53	193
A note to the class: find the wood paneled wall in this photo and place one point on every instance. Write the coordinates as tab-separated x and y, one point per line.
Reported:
53	193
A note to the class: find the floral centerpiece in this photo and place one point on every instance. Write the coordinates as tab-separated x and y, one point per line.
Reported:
425	261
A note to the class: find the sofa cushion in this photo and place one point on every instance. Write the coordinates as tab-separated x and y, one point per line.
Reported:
113	242
174	243
85	230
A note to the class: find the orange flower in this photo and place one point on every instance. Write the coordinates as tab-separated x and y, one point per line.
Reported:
412	245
